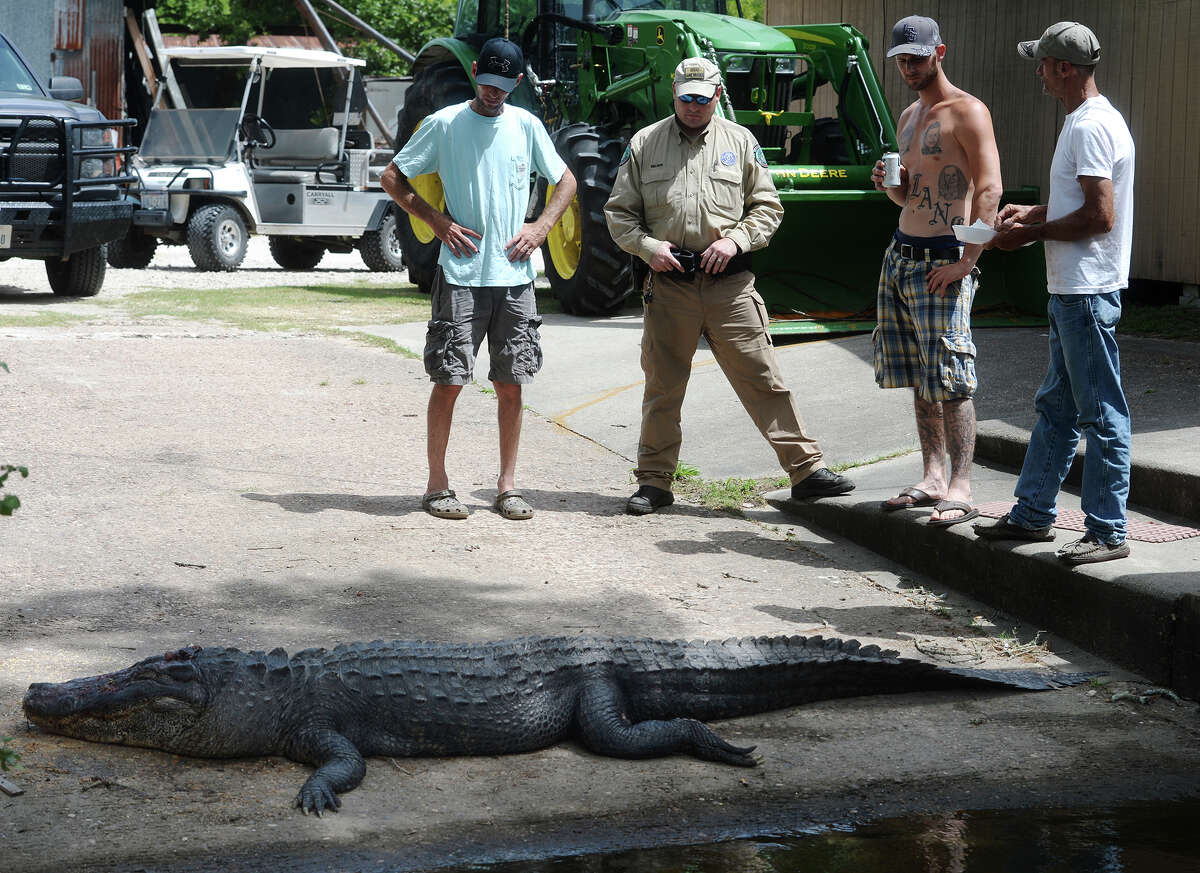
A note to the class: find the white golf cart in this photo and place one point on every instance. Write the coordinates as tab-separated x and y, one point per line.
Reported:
263	141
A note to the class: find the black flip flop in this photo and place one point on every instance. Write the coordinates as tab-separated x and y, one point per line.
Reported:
919	498
969	512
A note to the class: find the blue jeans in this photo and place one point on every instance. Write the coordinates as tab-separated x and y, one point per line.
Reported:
1082	392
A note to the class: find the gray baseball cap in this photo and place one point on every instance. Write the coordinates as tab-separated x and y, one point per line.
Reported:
915	35
1066	41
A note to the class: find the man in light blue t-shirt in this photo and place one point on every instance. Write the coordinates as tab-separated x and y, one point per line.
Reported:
1088	228
483	151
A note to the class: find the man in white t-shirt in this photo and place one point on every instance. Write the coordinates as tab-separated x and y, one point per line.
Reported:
483	151
1088	229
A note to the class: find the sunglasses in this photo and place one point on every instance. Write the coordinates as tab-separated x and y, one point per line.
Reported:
692	98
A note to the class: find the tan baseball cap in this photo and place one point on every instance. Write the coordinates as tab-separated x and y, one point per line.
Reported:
698	76
1066	41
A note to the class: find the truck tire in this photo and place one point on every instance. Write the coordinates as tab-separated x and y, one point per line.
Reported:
380	249
588	273
134	251
80	275
295	254
433	88
216	237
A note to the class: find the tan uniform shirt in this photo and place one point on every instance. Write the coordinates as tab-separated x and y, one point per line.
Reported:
692	193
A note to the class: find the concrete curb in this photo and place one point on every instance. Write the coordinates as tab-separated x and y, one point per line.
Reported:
1176	491
1144	621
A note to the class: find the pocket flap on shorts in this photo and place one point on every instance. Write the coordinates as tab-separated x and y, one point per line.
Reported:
959	344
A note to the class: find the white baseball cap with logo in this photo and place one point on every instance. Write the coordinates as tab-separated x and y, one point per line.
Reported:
698	76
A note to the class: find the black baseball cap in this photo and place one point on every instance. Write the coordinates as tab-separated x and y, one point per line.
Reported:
915	35
500	64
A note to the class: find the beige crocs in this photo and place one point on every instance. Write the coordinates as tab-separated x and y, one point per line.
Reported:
443	504
512	505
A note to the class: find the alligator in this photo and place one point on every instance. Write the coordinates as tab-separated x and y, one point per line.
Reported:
626	698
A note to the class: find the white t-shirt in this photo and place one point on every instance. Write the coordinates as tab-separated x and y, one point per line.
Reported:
1095	141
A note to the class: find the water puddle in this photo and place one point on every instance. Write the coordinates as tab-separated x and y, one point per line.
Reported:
1158	838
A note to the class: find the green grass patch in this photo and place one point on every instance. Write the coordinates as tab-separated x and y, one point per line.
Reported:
281	307
17	317
8	756
841	468
1164	322
730	495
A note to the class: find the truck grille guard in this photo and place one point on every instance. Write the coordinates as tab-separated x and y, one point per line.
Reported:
39	155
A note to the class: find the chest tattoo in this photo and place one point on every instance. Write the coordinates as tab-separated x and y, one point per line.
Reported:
931	142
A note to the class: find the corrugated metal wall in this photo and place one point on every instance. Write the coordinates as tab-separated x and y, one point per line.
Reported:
1149	70
30	26
98	65
42	30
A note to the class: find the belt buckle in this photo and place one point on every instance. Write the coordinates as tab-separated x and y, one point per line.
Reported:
908	251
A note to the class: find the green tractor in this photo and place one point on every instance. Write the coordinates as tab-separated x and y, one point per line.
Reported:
598	70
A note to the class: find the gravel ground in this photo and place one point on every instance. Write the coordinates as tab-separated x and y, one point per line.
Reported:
198	484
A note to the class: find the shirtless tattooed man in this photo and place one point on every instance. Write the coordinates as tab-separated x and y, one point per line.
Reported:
949	174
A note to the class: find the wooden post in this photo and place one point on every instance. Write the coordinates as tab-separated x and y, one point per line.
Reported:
139	47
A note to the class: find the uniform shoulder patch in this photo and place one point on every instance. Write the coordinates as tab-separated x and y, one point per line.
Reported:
759	157
625	157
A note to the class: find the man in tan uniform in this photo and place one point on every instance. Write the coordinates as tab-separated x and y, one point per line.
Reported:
693	197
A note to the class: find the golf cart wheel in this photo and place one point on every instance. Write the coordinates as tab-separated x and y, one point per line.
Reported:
295	254
80	275
134	251
380	249
216	238
588	273
432	89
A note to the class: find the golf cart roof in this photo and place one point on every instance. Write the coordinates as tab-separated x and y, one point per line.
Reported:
268	56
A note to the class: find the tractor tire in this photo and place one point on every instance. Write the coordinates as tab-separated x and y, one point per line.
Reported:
133	251
588	273
432	89
295	254
216	238
380	249
80	275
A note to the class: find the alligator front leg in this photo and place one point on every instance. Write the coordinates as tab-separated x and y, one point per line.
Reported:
340	768
607	730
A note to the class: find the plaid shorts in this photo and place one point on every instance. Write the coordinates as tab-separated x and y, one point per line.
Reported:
923	340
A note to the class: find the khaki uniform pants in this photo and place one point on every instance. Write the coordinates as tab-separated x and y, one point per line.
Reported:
730	315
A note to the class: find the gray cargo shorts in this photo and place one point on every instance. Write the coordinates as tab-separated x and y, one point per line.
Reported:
462	316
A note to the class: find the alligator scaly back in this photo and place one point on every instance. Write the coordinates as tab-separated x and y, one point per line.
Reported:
632	698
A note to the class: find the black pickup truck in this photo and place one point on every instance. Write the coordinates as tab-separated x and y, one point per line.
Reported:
63	177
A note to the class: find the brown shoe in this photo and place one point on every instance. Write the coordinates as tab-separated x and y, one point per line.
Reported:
1004	529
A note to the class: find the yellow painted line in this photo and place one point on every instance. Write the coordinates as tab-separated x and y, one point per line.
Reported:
561	418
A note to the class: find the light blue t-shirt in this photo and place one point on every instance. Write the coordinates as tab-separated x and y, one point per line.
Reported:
484	164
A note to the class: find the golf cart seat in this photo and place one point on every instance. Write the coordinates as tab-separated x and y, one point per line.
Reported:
297	155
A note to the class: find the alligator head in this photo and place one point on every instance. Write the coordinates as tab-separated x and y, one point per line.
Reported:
162	702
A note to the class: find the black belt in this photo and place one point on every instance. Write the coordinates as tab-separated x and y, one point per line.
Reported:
691	263
911	252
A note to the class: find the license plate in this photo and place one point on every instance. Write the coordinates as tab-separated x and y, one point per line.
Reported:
154	200
5	236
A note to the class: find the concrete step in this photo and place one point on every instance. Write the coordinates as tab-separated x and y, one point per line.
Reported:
1142	611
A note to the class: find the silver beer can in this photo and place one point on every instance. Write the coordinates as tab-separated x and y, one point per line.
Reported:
891	169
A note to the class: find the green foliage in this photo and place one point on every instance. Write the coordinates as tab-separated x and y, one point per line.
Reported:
8	502
8	758
752	9
410	23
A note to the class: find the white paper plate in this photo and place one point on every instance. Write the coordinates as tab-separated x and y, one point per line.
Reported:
978	233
